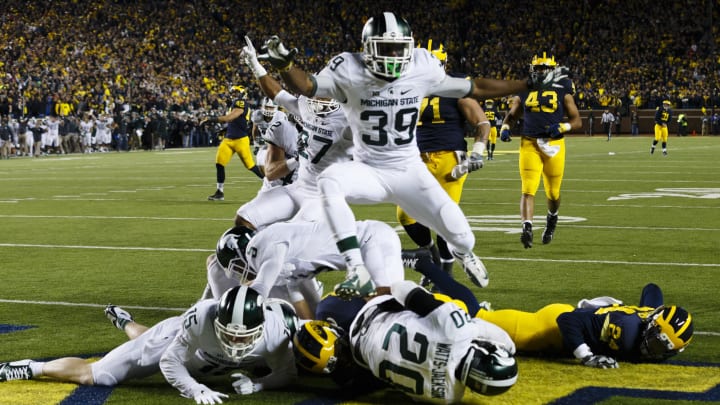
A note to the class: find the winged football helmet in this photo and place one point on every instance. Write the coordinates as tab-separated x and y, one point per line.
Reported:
540	66
487	369
239	91
320	346
489	103
438	53
387	45
268	108
287	311
230	253
240	321
669	330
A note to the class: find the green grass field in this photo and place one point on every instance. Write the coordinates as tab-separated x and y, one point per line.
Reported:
80	231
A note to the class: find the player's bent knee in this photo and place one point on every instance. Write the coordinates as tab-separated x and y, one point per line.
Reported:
103	378
459	234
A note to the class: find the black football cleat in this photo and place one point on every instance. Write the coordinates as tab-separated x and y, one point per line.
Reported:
218	196
549	231
526	237
16	370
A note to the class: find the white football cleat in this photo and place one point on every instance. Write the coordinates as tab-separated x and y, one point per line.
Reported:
118	316
474	268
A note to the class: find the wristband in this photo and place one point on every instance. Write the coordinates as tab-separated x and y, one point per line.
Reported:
479	148
565	127
582	351
287	68
292	164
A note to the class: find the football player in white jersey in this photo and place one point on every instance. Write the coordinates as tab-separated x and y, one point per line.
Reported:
280	137
87	126
451	351
103	129
279	260
325	139
381	89
213	337
260	120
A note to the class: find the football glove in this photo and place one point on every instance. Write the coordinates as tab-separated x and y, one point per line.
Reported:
244	385
277	54
204	395
548	81
462	167
557	130
505	133
598	361
249	56
476	161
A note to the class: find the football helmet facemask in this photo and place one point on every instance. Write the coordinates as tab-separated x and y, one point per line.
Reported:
321	107
387	45
230	253
321	347
669	330
489	103
487	369
268	108
240	321
541	65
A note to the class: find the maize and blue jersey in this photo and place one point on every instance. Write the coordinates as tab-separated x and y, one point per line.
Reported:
441	125
544	108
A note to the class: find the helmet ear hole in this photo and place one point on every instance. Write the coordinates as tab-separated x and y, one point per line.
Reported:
230	253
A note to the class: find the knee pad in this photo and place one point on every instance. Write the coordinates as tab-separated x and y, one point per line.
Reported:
457	229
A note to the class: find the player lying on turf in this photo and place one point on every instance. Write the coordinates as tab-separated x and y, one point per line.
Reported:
234	335
429	349
596	331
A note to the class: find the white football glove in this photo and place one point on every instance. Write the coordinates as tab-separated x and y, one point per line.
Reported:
277	54
598	361
204	395
249	56
244	385
462	167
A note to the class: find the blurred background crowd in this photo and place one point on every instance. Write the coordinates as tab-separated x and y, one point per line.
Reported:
161	59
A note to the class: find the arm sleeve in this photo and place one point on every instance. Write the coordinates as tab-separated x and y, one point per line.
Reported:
571	325
172	366
272	261
453	87
288	101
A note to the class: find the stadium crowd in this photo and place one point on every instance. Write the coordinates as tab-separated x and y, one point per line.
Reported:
183	56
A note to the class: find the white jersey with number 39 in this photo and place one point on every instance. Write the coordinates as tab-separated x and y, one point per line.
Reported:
384	114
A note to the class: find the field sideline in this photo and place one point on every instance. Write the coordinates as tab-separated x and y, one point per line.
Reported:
133	229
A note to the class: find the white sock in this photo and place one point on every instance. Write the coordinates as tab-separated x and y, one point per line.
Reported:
37	368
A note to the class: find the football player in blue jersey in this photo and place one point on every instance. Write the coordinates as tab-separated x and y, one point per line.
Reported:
596	331
663	114
542	145
235	141
492	115
443	124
